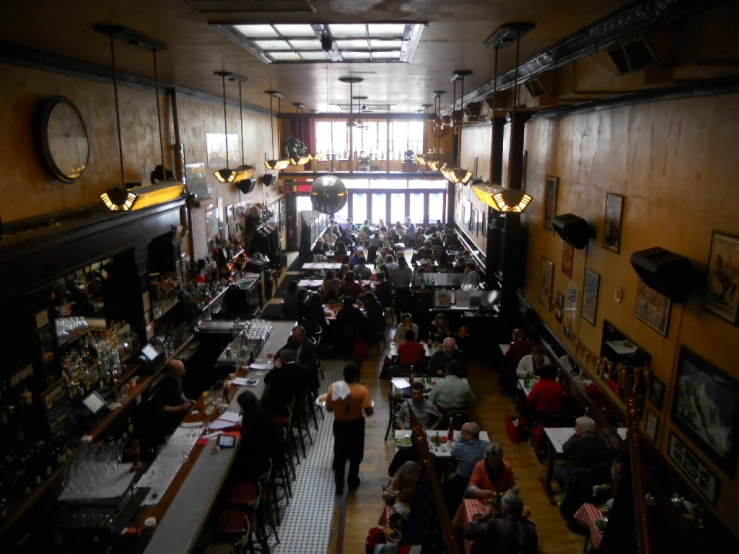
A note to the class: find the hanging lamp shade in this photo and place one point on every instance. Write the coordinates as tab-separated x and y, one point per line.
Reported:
457	175
502	199
118	199
244	172
301	160
225	175
421	160
276	164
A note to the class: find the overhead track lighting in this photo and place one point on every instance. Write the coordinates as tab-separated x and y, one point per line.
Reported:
274	164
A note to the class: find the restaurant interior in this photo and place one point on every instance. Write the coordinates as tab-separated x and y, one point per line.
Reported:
214	212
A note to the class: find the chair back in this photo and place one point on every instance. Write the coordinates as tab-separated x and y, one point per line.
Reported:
457	418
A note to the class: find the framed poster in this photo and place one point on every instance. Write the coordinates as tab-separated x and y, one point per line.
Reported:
652	308
560	300
703	479
550	201
656	392
546	279
614	218
706	408
652	426
590	295
568	258
722	297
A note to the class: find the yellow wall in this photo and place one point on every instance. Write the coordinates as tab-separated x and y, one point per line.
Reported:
27	188
676	165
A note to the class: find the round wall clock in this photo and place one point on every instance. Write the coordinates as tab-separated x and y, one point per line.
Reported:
64	139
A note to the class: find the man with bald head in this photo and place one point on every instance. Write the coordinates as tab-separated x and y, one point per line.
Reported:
448	353
467	451
171	396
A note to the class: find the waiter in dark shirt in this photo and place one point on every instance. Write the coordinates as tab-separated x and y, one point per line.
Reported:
172	398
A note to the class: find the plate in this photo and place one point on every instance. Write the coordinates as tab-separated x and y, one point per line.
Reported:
404	442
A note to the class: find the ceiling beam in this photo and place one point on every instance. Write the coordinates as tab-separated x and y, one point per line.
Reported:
629	21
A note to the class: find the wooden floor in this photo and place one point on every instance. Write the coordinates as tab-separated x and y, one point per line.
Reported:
364	506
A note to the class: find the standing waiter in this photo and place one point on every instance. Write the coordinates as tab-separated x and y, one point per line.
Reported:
346	399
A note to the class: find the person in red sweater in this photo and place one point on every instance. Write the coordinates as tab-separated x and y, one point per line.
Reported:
410	353
491	475
520	347
350	287
547	395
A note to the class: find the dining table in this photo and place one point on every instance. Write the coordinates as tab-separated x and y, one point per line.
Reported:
589	514
310	283
318	266
465	515
444	449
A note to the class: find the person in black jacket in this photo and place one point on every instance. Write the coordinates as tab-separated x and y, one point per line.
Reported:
506	533
258	427
305	351
584	449
288	380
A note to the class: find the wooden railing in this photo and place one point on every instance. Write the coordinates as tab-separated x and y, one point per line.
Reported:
427	461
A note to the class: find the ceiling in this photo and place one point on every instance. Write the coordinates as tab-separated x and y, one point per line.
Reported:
451	40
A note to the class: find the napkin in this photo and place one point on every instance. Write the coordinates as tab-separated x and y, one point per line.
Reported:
340	390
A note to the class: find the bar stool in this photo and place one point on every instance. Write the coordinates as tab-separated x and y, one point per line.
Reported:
246	497
255	498
233	527
285	419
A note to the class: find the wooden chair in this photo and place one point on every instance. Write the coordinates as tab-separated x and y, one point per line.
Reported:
394	403
458	418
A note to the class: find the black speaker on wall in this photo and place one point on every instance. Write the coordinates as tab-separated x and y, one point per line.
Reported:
573	229
246	186
670	274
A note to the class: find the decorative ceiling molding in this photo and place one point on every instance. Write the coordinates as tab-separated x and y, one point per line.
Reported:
629	21
23	56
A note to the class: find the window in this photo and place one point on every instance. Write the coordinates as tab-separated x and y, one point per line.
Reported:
416	207
436	206
304	203
379	203
359	207
405	135
397	208
332	137
343	213
382	42
419	184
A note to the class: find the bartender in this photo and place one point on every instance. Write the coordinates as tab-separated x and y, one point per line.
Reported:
172	398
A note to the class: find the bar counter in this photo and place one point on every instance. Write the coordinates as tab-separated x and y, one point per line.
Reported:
184	508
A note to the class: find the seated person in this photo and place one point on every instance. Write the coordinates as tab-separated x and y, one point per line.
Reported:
584	449
314	317
406	324
520	347
355	257
326	285
349	321
341	256
491	475
440	360
529	365
452	392
331	293
470	267
362	270
597	485
399	494
350	287
329	238
459	266
305	351
320	248
346	238
547	395
425	411
287	380
410	355
469	450
258	426
375	312
509	532
390	264
440	328
425	252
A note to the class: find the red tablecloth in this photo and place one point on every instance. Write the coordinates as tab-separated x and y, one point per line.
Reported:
468	508
589	514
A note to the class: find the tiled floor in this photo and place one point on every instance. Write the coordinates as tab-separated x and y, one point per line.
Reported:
306	524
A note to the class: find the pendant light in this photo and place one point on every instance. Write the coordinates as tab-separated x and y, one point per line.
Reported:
457	175
225	175
435	164
244	171
505	199
122	198
303	158
274	164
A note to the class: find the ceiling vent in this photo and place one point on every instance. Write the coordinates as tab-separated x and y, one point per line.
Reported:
250	6
629	57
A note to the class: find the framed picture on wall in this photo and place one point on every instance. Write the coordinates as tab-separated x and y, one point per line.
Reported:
568	258
652	426
560	300
571	300
701	477
546	281
706	408
614	217
652	308
656	392
590	295
722	296
550	201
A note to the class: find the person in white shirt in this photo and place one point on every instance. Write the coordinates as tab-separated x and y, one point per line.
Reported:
529	365
406	324
390	263
402	276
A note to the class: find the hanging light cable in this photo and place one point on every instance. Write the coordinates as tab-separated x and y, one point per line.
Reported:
244	171
458	175
225	175
303	158
274	164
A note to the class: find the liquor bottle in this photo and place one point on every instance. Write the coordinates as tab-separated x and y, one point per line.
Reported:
527	381
450	435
